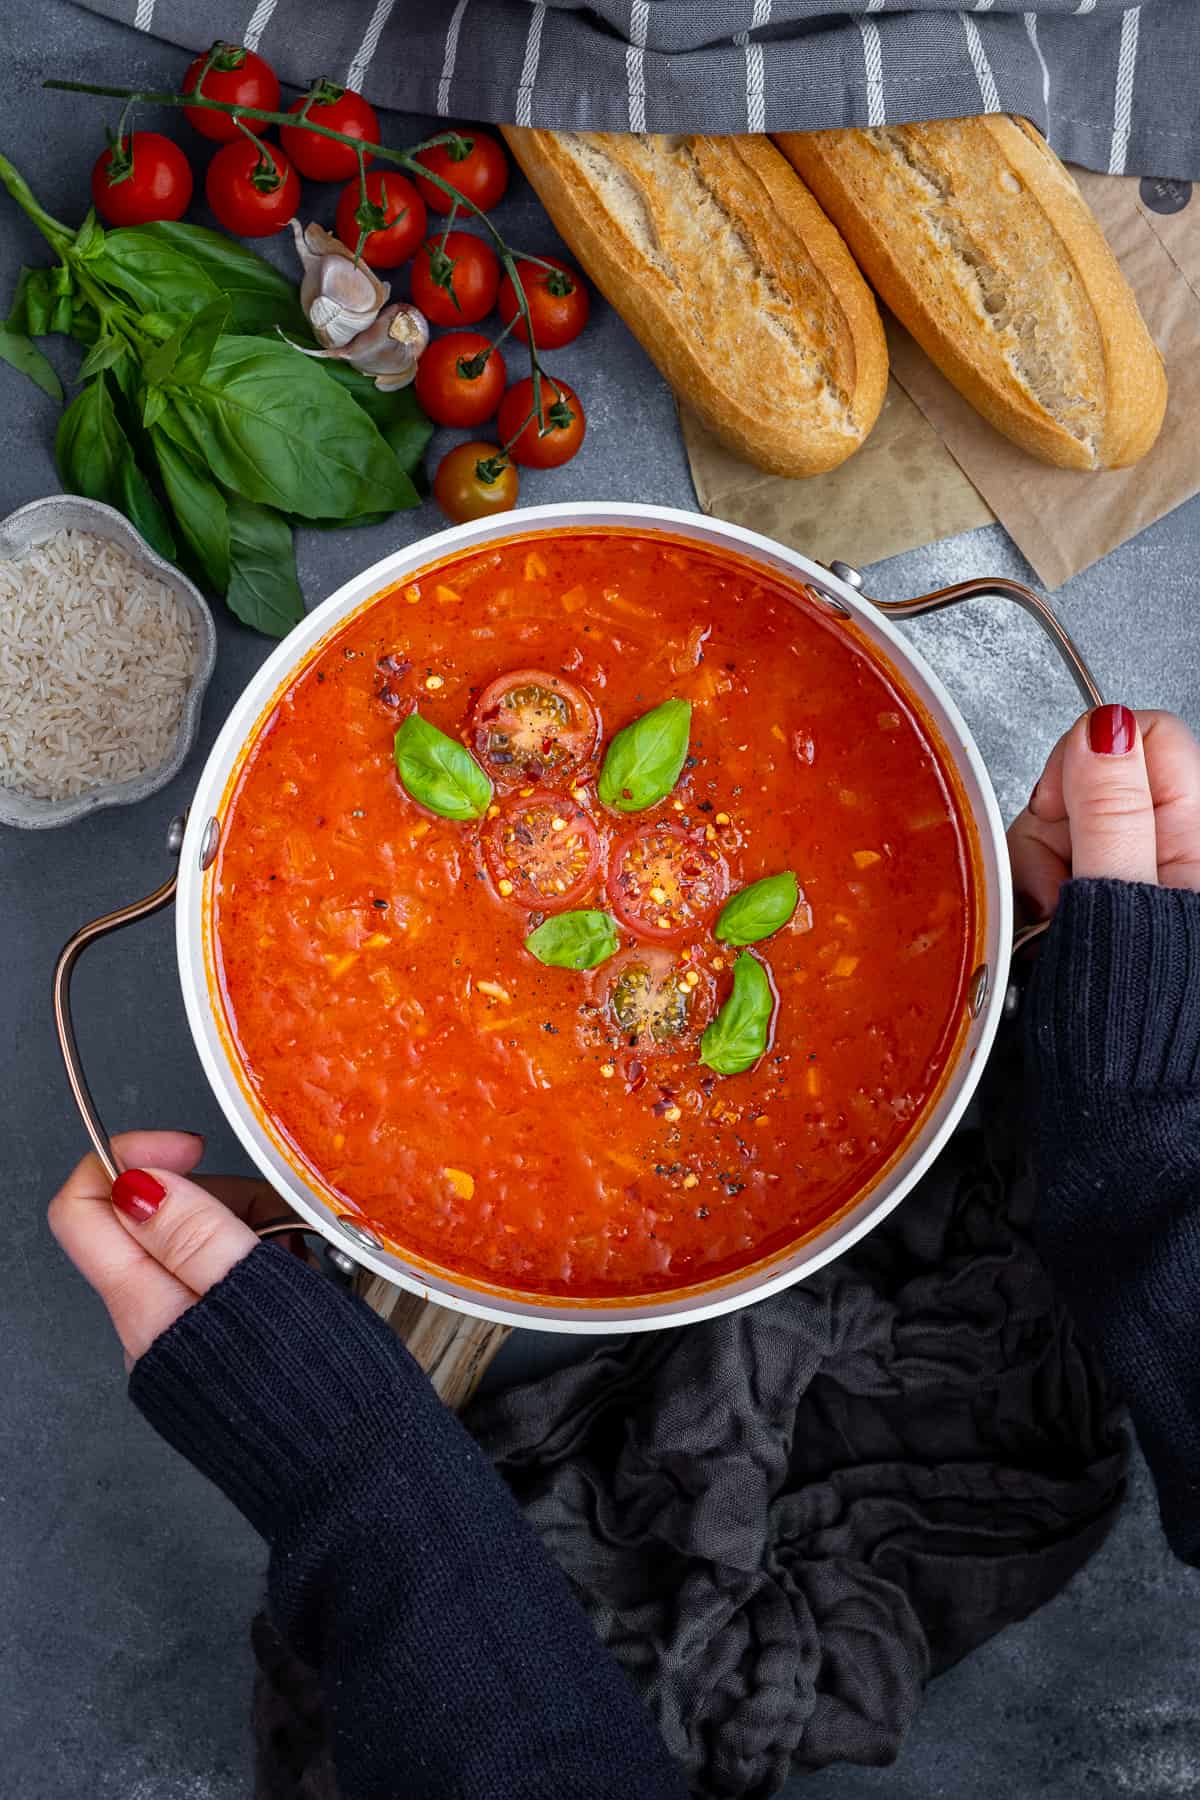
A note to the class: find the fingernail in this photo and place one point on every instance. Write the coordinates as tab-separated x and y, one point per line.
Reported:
1112	731
137	1195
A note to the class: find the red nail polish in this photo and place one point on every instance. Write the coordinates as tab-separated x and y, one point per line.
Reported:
137	1195
1112	731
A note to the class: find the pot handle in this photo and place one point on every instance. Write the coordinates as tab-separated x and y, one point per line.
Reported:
1030	602
64	1023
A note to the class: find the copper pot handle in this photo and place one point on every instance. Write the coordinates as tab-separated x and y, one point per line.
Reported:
1038	609
64	1024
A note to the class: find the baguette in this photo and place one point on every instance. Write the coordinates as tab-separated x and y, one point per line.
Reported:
975	235
727	271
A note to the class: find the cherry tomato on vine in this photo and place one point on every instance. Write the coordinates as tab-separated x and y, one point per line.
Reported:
143	179
481	176
238	77
398	219
564	428
252	188
340	109
460	379
557	300
473	270
473	483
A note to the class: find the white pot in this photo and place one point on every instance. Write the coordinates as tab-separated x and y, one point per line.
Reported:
931	1131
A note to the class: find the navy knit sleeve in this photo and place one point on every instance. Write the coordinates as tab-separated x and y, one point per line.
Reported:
454	1661
1114	1055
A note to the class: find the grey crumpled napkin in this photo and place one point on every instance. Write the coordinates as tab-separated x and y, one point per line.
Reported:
784	1521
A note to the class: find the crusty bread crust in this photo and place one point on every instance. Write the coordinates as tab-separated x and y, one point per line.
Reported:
730	275
975	235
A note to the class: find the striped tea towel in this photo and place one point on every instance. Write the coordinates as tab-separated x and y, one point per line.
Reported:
1114	87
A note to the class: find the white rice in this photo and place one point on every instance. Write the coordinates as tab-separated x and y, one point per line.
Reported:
95	661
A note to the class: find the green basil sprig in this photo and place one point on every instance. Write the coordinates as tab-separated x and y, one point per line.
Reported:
741	1031
574	940
440	773
642	763
758	910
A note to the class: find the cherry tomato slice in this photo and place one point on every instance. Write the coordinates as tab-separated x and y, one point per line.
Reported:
542	852
481	176
453	387
239	188
463	492
656	1001
393	243
557	300
564	424
473	280
159	186
664	882
321	158
533	726
238	77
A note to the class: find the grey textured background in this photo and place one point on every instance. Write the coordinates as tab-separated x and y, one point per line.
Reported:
126	1584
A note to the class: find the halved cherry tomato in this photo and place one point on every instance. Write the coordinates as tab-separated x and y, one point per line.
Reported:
392	243
159	185
656	1001
473	482
339	109
542	852
664	882
460	379
481	176
252	188
238	77
564	427
557	300
473	270
531	725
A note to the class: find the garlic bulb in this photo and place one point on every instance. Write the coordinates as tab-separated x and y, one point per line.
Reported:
388	350
340	297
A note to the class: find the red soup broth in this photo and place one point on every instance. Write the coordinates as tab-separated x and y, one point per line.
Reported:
494	1118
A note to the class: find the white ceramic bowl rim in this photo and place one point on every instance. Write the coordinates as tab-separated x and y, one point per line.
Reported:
32	524
877	1200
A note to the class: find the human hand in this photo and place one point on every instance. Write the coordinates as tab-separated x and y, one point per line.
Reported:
153	1242
1119	797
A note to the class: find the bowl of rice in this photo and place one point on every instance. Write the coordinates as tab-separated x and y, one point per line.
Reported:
105	653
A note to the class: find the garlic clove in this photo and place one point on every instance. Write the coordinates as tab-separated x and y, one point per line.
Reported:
340	297
388	350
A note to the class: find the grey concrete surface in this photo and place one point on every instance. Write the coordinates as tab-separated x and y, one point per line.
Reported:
125	1583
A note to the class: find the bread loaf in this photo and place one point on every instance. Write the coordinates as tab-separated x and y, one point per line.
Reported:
732	278
975	235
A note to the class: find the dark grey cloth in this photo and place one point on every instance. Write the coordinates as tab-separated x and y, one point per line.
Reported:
784	1521
1113	86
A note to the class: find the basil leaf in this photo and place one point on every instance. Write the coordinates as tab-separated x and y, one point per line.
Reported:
199	509
440	773
103	354
397	416
272	428
23	354
173	267
263	591
95	459
574	940
89	239
182	358
642	763
154	406
758	910
741	1031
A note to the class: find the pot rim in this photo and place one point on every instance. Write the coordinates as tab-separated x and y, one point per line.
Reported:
604	1317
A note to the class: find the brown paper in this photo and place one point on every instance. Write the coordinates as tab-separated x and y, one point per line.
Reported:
935	467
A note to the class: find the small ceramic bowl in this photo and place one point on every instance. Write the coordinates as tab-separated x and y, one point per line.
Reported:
33	524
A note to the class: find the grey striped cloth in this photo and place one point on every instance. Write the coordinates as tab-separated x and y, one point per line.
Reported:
1114	87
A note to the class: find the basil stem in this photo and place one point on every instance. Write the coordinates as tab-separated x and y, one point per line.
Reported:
741	1031
574	940
643	762
440	773
758	910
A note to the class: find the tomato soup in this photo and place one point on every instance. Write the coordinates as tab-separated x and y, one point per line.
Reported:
665	1115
